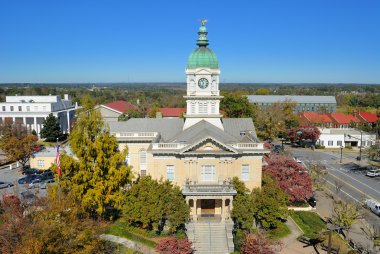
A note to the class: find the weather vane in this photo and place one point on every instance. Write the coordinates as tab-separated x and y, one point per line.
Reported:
203	21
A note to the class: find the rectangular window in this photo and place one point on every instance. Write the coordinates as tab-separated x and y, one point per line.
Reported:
35	108
339	143
208	173
19	108
330	143
12	108
170	172
27	108
245	172
41	163
203	107
143	172
4	109
44	108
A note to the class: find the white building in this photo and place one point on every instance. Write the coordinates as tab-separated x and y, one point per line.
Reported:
335	138
32	110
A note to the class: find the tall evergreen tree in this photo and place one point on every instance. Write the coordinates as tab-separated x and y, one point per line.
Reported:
51	130
97	175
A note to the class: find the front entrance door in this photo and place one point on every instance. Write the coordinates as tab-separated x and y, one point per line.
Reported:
207	207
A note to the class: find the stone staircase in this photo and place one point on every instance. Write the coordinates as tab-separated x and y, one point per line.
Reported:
211	237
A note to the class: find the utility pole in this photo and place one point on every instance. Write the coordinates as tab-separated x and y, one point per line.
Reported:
341	154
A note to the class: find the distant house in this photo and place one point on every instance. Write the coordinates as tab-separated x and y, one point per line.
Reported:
315	119
112	110
336	138
344	121
303	103
171	112
32	110
44	159
367	117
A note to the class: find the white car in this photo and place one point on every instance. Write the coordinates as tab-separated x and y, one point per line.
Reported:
35	184
373	173
373	206
297	160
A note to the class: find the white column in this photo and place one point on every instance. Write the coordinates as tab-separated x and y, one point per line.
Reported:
35	124
223	209
24	120
195	201
14	119
68	121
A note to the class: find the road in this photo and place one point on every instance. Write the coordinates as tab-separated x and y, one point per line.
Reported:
354	184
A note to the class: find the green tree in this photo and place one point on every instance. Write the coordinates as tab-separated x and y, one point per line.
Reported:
16	142
262	91
345	214
242	212
237	105
150	204
60	227
97	175
51	130
269	203
134	113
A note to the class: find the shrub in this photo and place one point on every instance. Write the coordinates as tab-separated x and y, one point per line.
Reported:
172	245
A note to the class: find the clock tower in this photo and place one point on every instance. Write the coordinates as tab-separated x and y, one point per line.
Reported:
202	77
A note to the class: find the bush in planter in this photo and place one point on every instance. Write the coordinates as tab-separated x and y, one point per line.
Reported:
317	146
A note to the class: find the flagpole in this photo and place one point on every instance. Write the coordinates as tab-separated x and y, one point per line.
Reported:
58	172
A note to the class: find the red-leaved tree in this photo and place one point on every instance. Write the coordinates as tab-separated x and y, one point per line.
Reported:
309	132
258	244
172	245
291	177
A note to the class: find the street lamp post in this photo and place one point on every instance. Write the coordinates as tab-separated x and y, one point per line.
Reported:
341	154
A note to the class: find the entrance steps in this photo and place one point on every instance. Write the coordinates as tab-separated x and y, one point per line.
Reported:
211	237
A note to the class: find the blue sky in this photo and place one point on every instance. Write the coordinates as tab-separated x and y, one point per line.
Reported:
148	41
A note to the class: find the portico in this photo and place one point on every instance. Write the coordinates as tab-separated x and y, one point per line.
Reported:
209	200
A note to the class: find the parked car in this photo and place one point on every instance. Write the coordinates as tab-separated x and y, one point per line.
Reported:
30	171
5	184
373	206
28	179
38	148
47	175
312	201
35	183
373	173
297	160
44	184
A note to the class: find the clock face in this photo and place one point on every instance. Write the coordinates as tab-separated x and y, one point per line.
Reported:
203	83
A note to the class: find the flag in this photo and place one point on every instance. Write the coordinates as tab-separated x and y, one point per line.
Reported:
57	161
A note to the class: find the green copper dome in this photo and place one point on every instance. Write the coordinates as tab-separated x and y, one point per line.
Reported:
202	56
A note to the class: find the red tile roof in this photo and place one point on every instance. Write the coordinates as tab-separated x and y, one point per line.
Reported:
343	118
120	106
315	117
369	117
172	112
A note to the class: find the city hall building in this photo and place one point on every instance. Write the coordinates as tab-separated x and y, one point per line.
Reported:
201	152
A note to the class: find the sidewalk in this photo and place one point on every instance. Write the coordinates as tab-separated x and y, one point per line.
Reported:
325	209
292	246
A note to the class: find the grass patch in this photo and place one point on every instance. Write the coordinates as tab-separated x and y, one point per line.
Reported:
278	233
121	228
310	223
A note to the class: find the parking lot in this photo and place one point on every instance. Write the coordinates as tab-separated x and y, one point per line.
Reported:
12	175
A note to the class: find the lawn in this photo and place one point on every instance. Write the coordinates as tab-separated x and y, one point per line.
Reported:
310	223
280	232
122	229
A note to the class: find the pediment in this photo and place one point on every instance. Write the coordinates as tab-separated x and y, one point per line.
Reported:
208	146
203	72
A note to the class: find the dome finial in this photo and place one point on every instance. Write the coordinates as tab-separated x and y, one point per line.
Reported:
203	21
202	34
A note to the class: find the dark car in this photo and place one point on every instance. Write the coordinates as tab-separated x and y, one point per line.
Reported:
28	179
5	184
30	171
46	175
312	201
